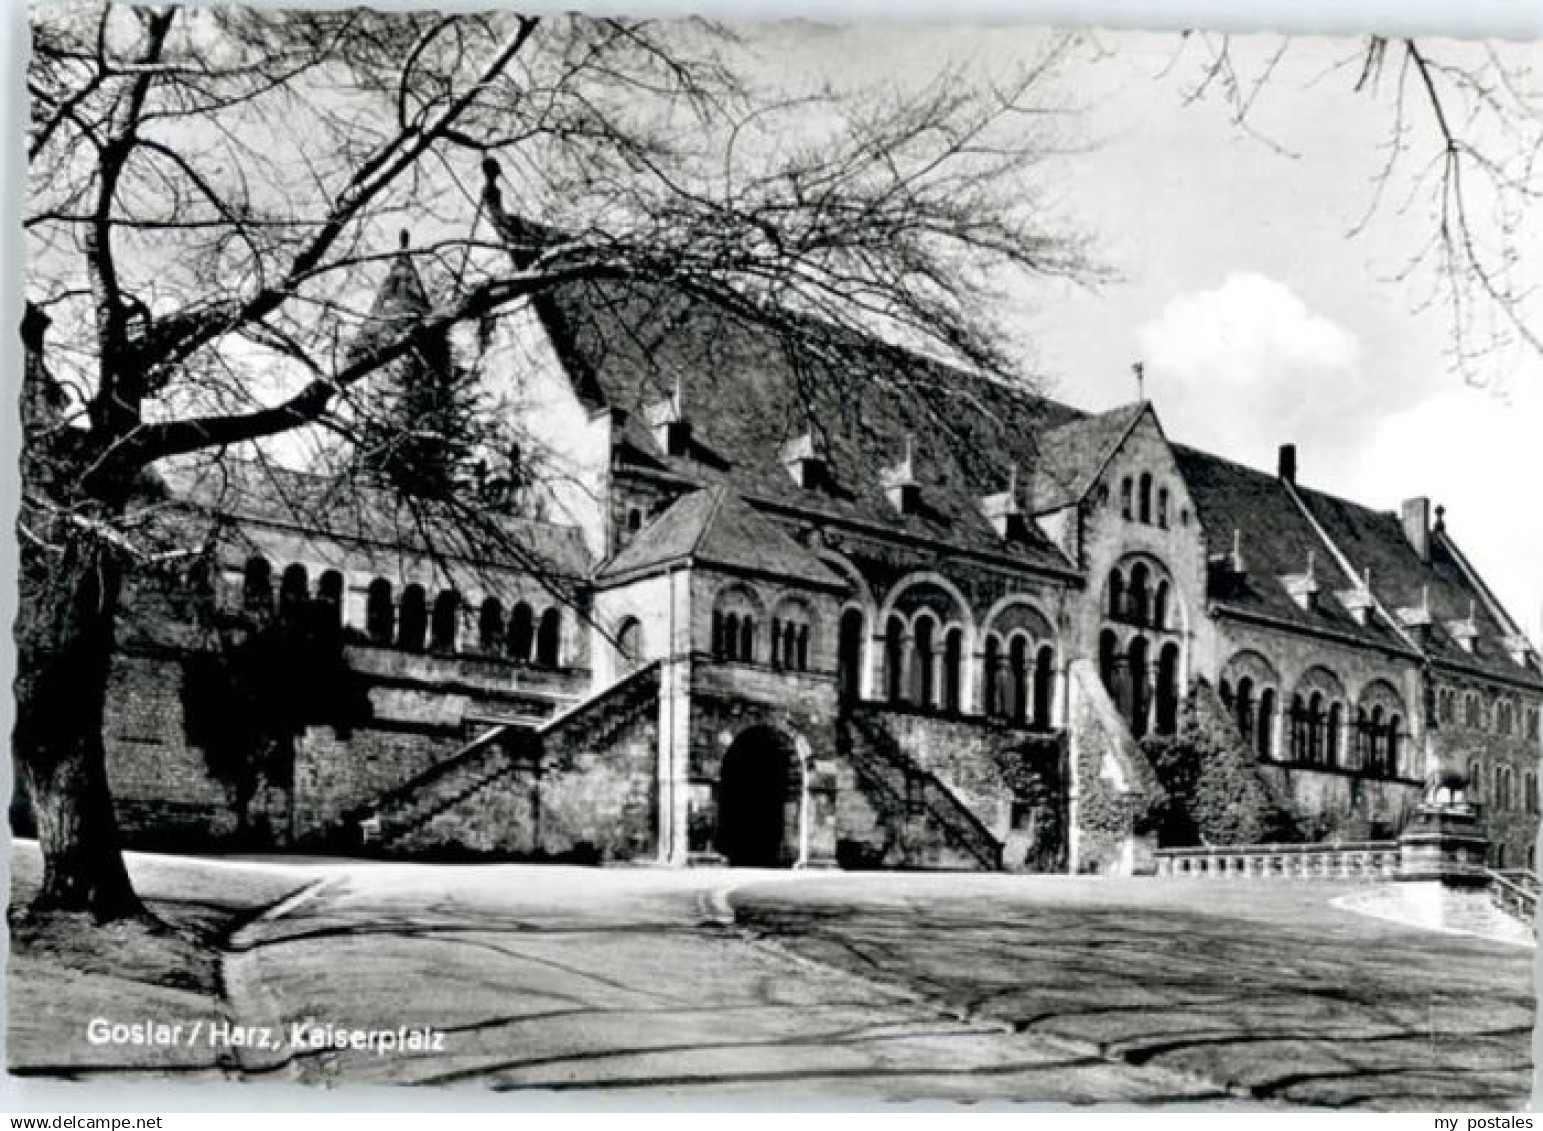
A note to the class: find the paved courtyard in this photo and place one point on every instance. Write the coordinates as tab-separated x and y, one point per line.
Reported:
701	984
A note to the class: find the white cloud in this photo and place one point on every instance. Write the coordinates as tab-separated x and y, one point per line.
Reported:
1246	366
1250	332
1477	454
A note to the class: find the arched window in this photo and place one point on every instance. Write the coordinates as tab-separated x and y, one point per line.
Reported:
1116	595
1264	733
1168	689
380	612
1018	679
1530	783
922	688
1375	741
1475	778
522	631
294	591
991	670
1160	606
849	660
1390	751
1140	686
726	635
1044	686
1243	710
447	608
490	625
1301	743
329	592
801	648
777	642
1471	711
629	644
1162	508
257	587
1146	497
1225	691
1444	704
1332	752
894	660
413	620
747	638
1140	594
1125	497
1362	739
549	639
1315	728
953	668
1109	662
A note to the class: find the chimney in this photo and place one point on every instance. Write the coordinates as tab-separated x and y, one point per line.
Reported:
1416	514
1287	465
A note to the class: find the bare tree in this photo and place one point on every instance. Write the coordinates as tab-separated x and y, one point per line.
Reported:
216	195
1463	140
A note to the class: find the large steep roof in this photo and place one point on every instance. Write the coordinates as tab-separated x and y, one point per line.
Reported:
745	396
1375	541
1274	540
1275	537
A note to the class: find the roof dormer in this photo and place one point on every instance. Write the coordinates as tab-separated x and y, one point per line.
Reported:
804	457
1519	648
1465	631
1303	587
1358	601
1417	618
900	485
666	418
1004	511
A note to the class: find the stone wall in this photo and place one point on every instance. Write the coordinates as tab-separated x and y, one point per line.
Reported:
586	793
1010	779
423	709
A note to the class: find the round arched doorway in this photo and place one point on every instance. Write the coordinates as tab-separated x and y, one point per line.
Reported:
759	793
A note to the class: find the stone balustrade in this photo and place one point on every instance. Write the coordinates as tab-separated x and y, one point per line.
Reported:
1357	860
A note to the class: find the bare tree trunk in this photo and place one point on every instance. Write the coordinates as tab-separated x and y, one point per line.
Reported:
64	636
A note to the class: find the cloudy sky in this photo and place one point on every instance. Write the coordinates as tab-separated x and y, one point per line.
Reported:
1259	317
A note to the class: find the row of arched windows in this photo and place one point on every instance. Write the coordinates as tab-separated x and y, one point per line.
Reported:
410	621
737	625
1137	600
1316	730
1143	684
1505	717
1139	503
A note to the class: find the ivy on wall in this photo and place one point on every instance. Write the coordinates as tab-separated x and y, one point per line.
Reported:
1216	792
255	686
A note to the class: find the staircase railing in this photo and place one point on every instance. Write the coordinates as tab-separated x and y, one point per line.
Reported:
493	746
1512	897
879	759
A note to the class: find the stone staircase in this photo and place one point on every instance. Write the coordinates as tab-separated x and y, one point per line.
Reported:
496	760
937	829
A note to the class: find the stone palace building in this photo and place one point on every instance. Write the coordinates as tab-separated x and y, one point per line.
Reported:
769	617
